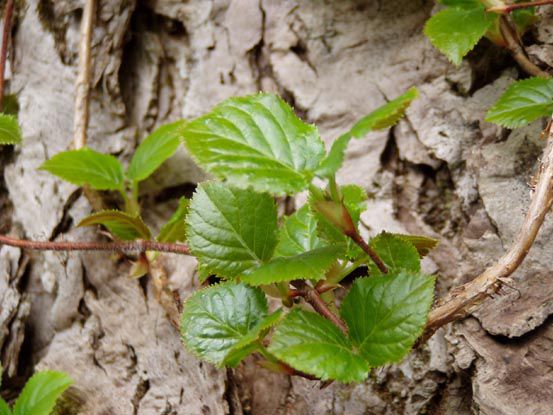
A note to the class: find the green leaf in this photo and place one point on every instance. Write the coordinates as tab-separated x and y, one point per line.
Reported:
154	150
4	408
41	393
86	166
216	319
387	313
456	30
310	343
10	133
249	343
423	244
298	234
175	228
463	4
397	253
383	117
256	141
523	102
231	230
121	225
308	265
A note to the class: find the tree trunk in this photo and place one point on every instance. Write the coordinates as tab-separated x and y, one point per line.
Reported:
442	171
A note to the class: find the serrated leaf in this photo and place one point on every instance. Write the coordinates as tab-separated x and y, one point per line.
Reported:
387	313
423	244
120	224
383	117
41	393
396	253
4	408
86	166
298	234
464	4
154	150
249	342
310	343
175	228
215	319
231	230
523	102
256	141
10	132
308	265
456	30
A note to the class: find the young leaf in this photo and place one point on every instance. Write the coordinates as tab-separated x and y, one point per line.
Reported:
423	244
298	234
86	166
10	133
249	343
41	393
4	408
383	117
308	265
387	313
523	102
175	228
231	230
154	150
121	225
215	319
310	343
397	253
256	141
456	30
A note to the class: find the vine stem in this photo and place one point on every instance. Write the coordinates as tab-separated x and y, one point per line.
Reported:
508	8
463	299
517	51
124	247
82	86
6	32
358	239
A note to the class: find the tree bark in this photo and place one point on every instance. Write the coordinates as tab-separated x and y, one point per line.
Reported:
442	172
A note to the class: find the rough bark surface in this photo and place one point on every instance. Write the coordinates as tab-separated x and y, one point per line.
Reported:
442	171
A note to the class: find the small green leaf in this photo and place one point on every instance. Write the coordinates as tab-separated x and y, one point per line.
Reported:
387	313
154	150
456	30
121	225
4	408
231	230
423	244
249	343
298	234
383	117
256	141
175	228
463	4
217	318
41	393
308	265
10	133
86	166
310	343
523	102
397	253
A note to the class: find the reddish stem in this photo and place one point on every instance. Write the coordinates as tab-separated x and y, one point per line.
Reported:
508	8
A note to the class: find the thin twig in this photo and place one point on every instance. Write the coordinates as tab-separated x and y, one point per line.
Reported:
6	32
313	297
463	299
517	51
82	87
124	247
508	8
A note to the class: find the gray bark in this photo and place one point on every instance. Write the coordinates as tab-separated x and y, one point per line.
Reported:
442	172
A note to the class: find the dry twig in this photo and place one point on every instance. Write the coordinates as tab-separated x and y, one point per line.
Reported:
7	29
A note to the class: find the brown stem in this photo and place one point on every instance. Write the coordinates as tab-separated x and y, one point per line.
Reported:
463	299
508	8
124	247
82	87
7	29
517	51
369	251
313	297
